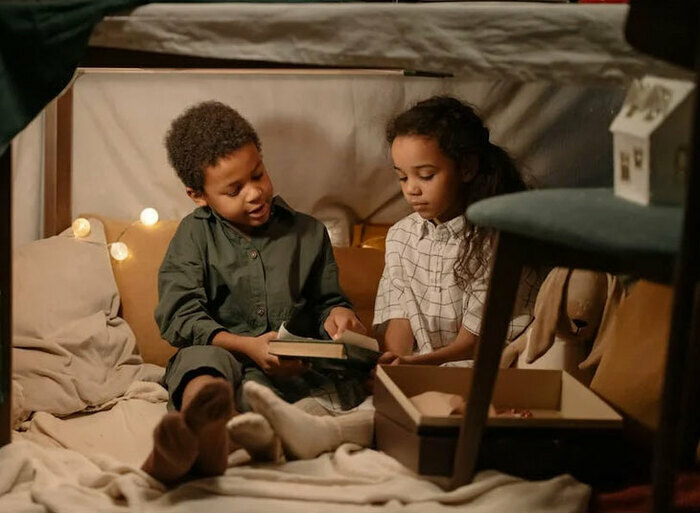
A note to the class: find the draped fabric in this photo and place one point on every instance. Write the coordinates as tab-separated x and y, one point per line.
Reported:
41	44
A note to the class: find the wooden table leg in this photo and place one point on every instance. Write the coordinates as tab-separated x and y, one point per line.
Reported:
505	278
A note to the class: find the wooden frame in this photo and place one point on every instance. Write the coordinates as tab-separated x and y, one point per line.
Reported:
5	295
58	156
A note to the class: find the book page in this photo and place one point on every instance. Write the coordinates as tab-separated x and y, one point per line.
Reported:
348	337
355	339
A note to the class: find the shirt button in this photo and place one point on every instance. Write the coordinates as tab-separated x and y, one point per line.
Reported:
253	254
260	311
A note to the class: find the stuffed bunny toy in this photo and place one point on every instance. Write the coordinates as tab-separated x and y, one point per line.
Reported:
573	308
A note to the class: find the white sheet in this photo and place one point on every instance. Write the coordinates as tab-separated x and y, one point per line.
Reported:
40	479
497	40
322	135
91	462
123	432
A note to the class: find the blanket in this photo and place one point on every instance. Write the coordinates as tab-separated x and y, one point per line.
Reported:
41	479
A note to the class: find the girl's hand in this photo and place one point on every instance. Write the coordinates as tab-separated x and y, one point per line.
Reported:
341	319
409	359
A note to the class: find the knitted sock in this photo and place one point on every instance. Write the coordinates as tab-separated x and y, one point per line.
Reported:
253	432
357	427
311	406
175	448
206	410
305	436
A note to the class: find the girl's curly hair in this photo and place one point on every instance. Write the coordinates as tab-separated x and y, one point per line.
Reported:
460	133
202	135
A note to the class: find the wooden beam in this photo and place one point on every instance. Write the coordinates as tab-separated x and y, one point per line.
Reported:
505	274
5	294
58	157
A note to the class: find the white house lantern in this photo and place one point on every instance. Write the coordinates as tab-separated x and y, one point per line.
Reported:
651	139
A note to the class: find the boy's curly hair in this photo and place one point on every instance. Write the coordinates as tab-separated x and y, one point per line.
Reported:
202	135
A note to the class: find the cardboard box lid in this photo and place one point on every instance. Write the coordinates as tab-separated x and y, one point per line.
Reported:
555	398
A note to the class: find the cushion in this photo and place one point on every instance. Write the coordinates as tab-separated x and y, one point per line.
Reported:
630	374
70	349
137	280
360	270
369	235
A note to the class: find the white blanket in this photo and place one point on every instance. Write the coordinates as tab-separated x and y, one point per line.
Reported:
124	432
40	479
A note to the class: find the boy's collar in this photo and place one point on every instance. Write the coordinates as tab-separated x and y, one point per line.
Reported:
278	205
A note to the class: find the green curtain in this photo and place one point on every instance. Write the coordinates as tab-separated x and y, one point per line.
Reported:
41	44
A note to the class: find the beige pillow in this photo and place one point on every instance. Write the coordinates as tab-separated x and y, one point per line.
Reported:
630	374
137	279
70	349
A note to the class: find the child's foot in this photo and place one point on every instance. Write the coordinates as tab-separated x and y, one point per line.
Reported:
253	432
175	448
206	407
303	436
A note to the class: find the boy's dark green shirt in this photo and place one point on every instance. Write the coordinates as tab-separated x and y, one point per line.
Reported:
214	277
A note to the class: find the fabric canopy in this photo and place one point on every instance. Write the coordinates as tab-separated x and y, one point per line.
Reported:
41	44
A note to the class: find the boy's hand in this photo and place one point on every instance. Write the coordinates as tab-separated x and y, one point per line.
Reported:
271	364
341	319
258	351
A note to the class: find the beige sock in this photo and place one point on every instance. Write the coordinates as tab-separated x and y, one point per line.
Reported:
357	427
303	435
312	407
253	432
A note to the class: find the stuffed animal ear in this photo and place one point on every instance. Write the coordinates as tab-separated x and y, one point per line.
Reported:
513	350
547	310
615	293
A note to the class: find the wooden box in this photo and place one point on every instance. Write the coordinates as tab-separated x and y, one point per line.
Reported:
571	430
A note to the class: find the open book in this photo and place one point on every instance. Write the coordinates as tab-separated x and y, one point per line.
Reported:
355	348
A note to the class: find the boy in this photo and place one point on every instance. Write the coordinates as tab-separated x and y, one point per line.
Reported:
238	266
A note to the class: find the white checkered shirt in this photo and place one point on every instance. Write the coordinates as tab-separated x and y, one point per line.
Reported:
418	284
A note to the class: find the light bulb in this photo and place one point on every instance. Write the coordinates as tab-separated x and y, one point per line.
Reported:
81	227
149	216
119	251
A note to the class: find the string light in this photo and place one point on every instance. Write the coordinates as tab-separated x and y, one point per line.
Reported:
81	227
119	251
149	216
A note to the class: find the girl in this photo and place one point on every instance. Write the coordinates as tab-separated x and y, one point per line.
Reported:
432	292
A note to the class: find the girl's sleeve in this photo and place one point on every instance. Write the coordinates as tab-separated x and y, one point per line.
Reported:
474	300
523	307
391	297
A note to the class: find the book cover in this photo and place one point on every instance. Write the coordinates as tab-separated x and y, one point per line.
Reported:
355	349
